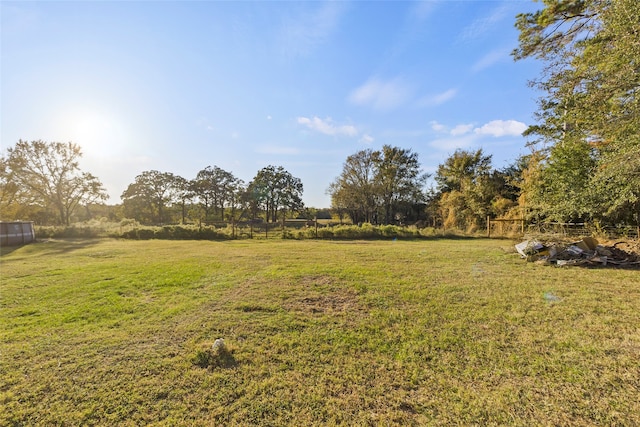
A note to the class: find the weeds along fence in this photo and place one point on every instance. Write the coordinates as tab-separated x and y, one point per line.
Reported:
224	231
507	227
324	229
568	229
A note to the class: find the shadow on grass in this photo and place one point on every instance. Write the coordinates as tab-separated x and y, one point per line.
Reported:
630	266
220	358
51	246
6	250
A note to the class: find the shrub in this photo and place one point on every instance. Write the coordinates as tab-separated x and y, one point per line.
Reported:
288	234
144	233
324	233
72	231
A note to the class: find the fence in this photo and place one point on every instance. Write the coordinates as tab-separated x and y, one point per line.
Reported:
496	226
259	228
585	229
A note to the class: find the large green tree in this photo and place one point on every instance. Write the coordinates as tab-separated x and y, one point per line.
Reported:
400	181
589	111
39	176
355	189
215	190
276	191
466	188
379	186
462	169
149	197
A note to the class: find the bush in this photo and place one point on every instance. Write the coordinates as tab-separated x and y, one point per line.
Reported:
173	232
144	233
130	229
324	233
288	234
59	232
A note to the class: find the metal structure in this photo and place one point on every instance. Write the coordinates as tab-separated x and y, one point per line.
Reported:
16	233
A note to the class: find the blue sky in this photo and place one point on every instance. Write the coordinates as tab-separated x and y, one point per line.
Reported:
176	86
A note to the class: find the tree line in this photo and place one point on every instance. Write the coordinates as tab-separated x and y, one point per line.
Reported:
583	165
213	195
42	181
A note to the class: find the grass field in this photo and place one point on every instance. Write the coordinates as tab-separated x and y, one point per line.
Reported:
429	332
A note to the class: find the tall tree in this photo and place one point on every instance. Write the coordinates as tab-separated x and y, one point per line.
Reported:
11	206
590	102
235	198
614	61
183	196
468	188
214	188
276	190
147	199
379	185
400	181
202	188
462	169
48	175
354	191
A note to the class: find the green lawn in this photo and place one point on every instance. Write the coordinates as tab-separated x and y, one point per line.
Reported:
429	332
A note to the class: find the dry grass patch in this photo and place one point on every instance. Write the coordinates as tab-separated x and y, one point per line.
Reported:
324	295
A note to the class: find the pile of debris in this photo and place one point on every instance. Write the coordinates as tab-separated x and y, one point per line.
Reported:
587	251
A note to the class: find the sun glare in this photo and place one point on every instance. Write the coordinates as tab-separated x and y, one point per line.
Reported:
98	133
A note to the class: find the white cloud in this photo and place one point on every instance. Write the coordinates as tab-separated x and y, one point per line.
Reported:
465	136
327	126
438	99
366	139
489	59
438	127
381	95
458	130
269	117
482	25
498	128
461	129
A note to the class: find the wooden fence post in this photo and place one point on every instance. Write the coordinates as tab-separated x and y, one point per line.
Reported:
488	226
